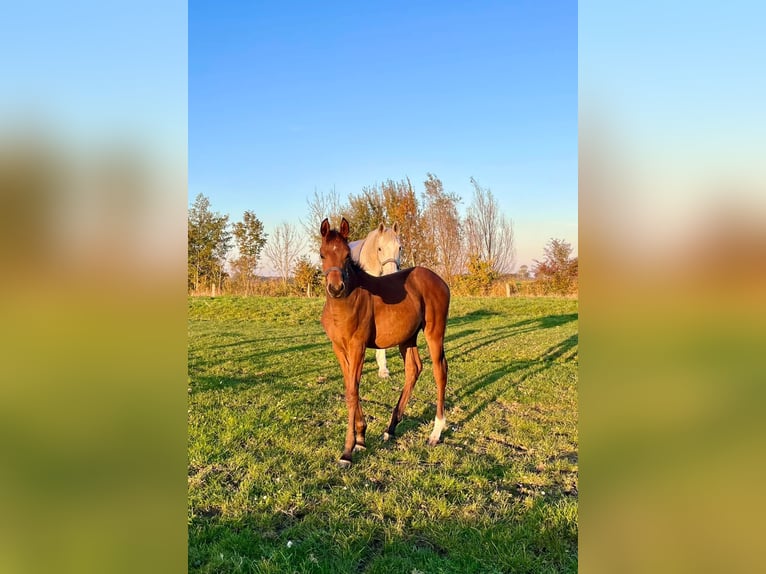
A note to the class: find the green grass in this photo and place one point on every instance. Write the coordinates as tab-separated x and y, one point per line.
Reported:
267	422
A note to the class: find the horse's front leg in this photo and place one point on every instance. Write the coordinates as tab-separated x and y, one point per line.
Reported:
357	426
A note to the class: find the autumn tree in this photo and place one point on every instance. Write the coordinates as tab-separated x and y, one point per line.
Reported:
489	233
209	240
402	207
480	275
558	271
321	205
442	227
283	249
390	202
307	276
250	239
365	212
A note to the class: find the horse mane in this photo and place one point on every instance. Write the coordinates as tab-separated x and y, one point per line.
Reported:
356	267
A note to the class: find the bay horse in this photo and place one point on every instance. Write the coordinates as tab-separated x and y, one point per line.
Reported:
362	311
380	253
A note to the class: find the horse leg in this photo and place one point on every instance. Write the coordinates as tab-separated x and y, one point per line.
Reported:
351	364
413	366
436	350
380	357
360	425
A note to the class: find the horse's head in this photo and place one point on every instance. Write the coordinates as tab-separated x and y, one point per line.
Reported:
388	249
336	257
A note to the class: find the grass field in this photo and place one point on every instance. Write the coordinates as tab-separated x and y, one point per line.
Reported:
267	421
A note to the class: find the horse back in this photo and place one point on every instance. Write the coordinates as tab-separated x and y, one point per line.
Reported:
433	290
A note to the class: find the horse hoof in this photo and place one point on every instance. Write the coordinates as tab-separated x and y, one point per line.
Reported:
433	441
359	447
343	463
383	374
387	437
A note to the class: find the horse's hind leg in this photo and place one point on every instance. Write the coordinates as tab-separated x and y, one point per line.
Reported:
380	357
436	350
412	369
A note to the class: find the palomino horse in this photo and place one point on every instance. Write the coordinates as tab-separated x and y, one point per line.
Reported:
380	253
362	311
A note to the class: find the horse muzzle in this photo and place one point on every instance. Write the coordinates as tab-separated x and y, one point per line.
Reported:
335	290
383	264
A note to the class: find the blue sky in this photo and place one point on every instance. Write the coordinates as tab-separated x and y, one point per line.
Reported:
289	97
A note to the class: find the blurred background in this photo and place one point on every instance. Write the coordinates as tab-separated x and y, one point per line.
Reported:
673	278
92	289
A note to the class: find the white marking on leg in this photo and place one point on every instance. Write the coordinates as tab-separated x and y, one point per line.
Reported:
380	357
439	425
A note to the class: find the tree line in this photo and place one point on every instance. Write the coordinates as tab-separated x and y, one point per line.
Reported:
471	253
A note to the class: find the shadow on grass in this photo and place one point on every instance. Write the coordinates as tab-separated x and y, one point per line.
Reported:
473	316
254	351
484	335
514	372
275	362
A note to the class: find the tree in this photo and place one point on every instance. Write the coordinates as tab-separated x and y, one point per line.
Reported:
441	222
208	243
365	212
558	270
481	274
402	207
321	205
398	203
390	202
488	231
283	249
250	240
307	276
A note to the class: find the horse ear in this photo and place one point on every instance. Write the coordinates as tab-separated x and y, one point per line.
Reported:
381	227
396	228
325	228
344	229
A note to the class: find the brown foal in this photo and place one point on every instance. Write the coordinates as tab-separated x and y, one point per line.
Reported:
362	311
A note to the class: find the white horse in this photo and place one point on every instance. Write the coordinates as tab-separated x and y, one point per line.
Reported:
380	253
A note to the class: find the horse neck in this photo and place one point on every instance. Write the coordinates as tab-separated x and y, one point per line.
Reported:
356	278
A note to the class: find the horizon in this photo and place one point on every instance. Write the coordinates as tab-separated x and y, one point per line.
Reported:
263	270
